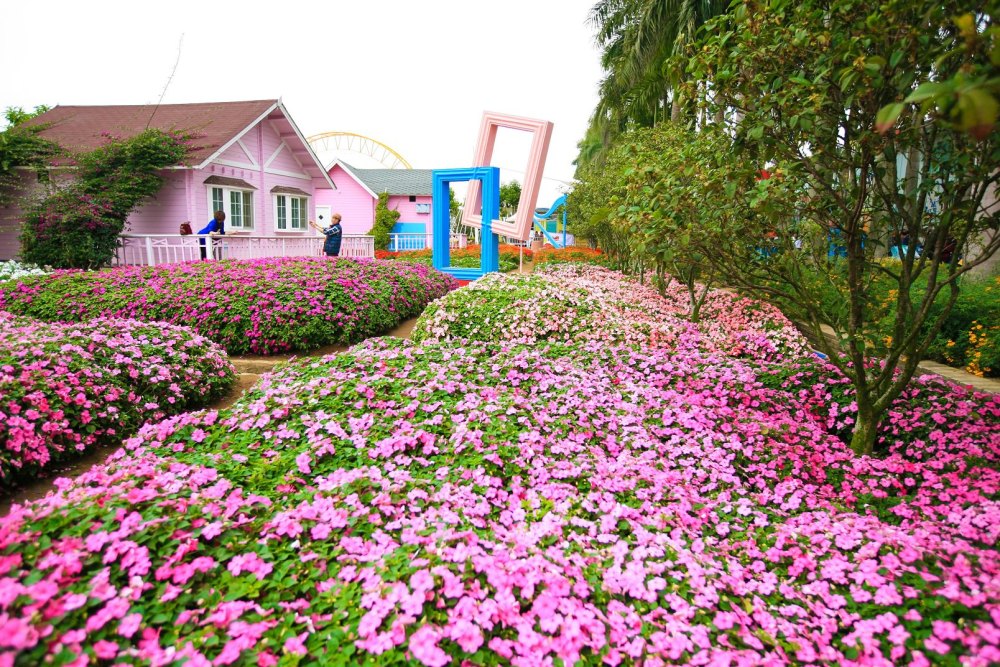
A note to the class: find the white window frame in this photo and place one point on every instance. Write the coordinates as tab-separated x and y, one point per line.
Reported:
227	206
423	207
303	215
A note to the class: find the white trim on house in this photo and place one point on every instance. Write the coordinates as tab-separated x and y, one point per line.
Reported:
277	151
246	151
290	174
239	135
227	206
238	165
354	177
305	143
303	212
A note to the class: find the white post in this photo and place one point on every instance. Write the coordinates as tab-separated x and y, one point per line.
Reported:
149	252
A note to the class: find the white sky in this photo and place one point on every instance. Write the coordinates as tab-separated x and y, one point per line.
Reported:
415	75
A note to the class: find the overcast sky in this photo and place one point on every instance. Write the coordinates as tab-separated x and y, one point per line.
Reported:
413	74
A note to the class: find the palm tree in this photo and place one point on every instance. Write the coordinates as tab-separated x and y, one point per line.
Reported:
637	37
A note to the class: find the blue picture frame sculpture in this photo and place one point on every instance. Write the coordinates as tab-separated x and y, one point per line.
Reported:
489	261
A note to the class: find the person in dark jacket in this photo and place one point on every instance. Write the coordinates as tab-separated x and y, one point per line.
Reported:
217	225
334	235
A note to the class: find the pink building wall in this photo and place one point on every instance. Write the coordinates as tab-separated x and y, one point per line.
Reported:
354	203
256	159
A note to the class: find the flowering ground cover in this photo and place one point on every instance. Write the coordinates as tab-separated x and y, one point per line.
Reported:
13	270
67	387
469	257
578	499
576	302
569	254
264	306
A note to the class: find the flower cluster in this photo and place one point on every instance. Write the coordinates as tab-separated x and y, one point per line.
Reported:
569	254
468	257
67	387
575	500
14	270
579	302
263	306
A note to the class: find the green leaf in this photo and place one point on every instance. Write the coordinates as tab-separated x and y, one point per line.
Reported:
887	116
978	112
928	90
895	58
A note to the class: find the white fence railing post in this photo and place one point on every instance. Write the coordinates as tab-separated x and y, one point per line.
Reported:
153	249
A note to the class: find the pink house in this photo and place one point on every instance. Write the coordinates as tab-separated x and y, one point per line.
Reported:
357	194
251	162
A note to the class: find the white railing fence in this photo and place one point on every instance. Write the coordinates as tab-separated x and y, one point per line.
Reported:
153	249
410	242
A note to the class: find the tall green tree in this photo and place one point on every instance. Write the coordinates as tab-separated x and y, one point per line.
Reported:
510	196
636	38
804	83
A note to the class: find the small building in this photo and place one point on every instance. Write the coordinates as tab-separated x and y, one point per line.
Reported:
410	193
251	161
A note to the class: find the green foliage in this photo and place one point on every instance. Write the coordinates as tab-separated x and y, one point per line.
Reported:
968	100
800	86
510	196
385	220
676	203
637	38
21	146
17	115
78	226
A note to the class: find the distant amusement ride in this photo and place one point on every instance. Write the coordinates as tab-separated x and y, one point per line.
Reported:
327	142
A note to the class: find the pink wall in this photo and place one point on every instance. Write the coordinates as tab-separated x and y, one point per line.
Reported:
185	196
408	210
351	200
164	213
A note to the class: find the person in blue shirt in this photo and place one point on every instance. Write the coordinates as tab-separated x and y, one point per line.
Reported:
334	235
216	225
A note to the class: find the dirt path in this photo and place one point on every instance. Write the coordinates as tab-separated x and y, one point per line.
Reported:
249	369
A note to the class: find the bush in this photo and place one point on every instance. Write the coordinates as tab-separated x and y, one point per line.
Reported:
439	502
78	226
69	387
571	303
550	255
263	306
468	257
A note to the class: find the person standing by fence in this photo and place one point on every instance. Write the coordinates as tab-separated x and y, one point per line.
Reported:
334	235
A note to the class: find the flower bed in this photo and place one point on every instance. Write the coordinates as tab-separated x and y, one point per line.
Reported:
575	302
67	387
440	502
469	257
570	254
262	306
13	270
582	499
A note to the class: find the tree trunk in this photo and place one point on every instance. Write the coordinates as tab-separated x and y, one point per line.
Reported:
865	429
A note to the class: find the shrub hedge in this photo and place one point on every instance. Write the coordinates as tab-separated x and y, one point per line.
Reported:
263	306
67	387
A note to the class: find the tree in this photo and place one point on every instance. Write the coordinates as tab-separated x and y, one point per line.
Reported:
20	147
674	206
385	220
803	83
636	38
510	196
78	225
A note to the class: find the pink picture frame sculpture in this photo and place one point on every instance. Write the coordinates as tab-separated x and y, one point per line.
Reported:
520	227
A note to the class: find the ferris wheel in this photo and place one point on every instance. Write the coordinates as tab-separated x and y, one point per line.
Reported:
332	142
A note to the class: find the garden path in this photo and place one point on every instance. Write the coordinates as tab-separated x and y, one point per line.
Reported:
249	368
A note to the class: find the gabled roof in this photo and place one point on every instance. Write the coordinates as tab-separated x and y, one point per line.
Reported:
83	128
394	181
216	126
